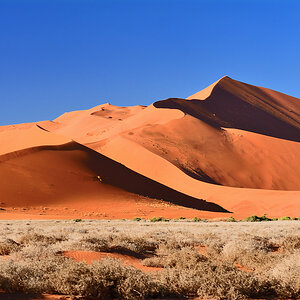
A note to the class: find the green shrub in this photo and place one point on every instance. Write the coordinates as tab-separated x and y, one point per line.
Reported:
285	218
137	219
77	220
255	218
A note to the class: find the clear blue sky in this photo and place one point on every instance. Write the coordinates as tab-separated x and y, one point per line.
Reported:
63	55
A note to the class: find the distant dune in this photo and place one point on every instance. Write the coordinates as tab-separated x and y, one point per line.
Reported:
230	149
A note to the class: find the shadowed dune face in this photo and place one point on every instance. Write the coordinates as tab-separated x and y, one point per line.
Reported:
52	173
251	111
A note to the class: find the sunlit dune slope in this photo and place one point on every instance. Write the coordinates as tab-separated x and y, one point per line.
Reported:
23	136
227	157
103	121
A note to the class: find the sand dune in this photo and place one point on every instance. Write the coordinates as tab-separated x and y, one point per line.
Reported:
49	174
232	144
25	136
232	157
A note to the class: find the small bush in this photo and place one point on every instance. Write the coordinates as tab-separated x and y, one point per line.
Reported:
255	218
77	220
159	219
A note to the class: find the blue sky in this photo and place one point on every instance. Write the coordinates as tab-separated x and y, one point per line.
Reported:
63	55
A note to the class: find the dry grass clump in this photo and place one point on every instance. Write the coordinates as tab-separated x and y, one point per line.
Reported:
252	252
214	243
165	257
117	243
36	238
286	273
8	246
290	243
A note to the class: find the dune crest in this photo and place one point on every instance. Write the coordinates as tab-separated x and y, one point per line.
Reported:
206	92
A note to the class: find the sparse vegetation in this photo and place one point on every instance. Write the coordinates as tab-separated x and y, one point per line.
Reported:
220	260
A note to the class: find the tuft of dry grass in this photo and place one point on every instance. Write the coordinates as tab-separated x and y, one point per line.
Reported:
8	246
36	238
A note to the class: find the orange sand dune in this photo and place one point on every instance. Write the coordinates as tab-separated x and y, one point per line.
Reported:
228	157
93	125
71	172
88	125
232	144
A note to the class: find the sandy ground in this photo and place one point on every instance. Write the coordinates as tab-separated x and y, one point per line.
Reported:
90	256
